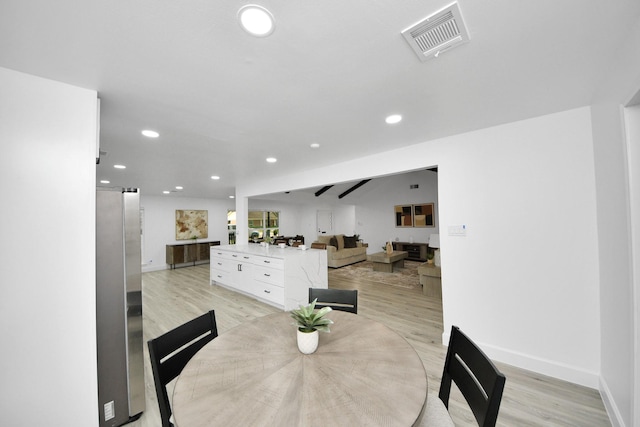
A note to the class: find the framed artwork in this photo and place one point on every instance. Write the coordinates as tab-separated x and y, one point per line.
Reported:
191	224
404	215
423	215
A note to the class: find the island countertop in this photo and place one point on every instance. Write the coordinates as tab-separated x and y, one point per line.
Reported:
277	276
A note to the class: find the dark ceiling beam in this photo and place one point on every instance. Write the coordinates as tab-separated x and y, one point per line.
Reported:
355	187
323	189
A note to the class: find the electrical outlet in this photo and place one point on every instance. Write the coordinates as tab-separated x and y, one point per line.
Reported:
109	411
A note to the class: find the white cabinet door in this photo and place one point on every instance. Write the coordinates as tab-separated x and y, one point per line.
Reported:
241	276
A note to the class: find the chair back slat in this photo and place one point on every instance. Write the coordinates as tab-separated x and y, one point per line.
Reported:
172	366
337	299
184	334
170	352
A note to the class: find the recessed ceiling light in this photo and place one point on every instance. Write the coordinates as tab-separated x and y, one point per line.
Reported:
232	197
104	181
179	187
119	166
150	133
166	192
393	119
256	20
315	145
271	159
215	177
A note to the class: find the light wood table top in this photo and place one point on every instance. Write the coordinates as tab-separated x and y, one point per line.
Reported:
363	373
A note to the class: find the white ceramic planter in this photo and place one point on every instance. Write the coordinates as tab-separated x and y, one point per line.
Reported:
307	341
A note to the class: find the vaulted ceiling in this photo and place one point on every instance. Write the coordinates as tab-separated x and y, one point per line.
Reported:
223	101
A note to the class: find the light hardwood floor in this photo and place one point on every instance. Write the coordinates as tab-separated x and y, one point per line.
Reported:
172	297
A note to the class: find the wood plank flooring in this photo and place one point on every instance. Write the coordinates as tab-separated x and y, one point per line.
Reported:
172	297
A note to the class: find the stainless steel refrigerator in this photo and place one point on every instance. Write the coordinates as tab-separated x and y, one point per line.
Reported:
119	307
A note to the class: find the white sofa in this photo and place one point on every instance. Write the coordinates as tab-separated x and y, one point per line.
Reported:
337	254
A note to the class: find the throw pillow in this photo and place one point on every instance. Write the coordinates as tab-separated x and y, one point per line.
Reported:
350	242
333	242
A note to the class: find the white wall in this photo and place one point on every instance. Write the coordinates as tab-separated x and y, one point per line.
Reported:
47	310
524	281
160	224
620	329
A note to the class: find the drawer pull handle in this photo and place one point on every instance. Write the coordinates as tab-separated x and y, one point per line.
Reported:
267	292
267	275
267	262
219	263
219	276
246	257
235	256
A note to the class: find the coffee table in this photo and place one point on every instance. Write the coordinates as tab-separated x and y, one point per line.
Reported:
386	262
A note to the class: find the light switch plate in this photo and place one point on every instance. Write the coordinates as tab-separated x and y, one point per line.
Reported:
457	230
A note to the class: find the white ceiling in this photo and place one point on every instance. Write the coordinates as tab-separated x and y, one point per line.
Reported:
223	101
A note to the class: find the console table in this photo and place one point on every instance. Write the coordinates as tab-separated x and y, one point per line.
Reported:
416	251
189	252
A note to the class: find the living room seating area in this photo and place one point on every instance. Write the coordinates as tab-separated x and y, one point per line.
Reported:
343	250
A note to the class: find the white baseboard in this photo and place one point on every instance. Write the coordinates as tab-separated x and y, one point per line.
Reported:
610	405
147	268
542	366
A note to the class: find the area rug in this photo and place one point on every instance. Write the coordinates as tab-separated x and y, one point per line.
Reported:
406	277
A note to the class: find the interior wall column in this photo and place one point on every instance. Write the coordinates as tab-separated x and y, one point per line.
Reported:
632	120
242	220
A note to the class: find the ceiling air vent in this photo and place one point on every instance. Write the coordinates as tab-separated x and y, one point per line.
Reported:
437	33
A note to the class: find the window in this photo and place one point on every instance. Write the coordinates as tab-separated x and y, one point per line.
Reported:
263	224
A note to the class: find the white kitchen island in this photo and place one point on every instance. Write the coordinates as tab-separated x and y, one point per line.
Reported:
278	276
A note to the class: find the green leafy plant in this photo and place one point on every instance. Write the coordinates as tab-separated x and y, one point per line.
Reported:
309	320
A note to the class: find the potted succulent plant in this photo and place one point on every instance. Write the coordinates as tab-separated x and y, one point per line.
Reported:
309	322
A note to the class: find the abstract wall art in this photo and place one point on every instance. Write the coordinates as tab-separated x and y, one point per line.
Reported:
191	224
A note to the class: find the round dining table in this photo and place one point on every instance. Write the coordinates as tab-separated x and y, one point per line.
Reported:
362	374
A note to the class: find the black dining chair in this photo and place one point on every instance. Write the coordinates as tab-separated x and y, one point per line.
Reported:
477	378
337	299
196	333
